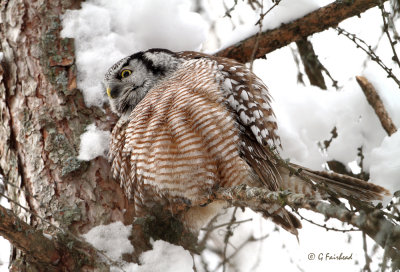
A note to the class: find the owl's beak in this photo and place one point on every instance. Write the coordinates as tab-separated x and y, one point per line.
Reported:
109	92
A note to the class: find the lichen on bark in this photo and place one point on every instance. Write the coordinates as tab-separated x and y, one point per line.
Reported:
42	115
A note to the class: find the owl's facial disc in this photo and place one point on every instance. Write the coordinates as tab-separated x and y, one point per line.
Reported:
128	81
123	79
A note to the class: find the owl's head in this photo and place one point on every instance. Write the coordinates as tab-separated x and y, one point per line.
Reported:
129	80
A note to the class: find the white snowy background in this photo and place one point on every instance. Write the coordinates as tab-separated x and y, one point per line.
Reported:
106	31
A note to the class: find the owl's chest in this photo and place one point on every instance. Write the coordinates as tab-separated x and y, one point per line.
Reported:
182	143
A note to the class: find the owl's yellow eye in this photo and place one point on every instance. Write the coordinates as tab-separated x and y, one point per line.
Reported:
125	73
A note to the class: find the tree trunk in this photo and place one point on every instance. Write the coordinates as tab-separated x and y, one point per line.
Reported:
42	115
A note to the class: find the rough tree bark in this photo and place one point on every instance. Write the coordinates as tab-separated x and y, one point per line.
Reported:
376	103
42	115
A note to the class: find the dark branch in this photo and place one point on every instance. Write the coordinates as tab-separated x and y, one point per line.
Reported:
27	238
49	254
317	21
312	65
376	103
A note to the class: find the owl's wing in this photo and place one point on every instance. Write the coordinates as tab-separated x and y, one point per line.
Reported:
248	100
247	97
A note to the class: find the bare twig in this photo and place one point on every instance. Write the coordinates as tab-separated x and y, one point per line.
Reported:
368	49
262	15
373	221
31	212
324	226
385	16
260	24
376	103
210	228
251	239
395	7
228	234
366	268
228	11
319	20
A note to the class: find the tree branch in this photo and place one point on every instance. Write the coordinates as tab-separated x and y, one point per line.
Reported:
27	238
316	21
372	222
376	103
56	254
311	63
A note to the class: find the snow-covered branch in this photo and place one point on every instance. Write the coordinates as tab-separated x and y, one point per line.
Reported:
50	253
317	21
370	220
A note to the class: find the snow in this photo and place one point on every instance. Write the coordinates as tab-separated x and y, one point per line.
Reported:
281	251
5	250
385	162
230	30
309	115
111	239
165	257
106	31
5	247
306	115
1	56
94	143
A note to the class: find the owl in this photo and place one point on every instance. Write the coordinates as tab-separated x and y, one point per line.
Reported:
190	123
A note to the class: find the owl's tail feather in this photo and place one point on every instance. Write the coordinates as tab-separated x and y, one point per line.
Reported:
281	217
338	184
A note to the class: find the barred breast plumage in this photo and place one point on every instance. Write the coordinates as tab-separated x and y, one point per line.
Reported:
180	139
191	123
